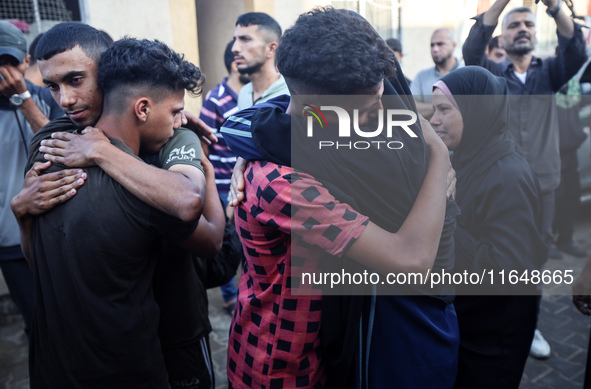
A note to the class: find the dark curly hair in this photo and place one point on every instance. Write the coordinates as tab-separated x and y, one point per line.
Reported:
329	51
143	64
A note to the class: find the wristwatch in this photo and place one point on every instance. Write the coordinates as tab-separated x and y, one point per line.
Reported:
553	13
17	99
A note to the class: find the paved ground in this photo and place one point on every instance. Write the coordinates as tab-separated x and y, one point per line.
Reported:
563	326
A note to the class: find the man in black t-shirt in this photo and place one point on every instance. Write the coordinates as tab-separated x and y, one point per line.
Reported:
96	321
180	294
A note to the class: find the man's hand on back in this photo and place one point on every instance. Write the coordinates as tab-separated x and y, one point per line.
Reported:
198	126
40	193
74	150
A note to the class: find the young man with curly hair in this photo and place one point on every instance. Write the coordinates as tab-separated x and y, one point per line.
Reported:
304	208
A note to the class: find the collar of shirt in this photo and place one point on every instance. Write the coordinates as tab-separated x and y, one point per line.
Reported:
273	88
508	65
457	65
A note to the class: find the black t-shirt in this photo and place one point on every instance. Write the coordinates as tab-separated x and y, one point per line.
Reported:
95	319
178	290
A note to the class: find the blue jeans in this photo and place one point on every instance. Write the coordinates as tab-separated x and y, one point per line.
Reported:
229	291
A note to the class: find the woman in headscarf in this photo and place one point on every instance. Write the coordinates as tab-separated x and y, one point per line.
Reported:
497	230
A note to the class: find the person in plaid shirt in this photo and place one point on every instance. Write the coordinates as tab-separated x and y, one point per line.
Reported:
289	216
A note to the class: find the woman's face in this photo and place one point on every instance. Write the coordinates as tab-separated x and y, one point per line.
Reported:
447	120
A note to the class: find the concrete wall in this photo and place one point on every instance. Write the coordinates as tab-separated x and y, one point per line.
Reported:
185	40
149	19
215	22
170	21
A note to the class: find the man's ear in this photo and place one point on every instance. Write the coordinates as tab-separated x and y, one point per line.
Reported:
27	60
272	48
142	107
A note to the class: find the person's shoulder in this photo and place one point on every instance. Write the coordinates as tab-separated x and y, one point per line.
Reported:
511	171
183	147
245	96
184	134
424	73
214	93
245	89
45	101
37	90
62	124
41	93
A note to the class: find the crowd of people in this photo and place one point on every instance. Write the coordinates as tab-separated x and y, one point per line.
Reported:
131	207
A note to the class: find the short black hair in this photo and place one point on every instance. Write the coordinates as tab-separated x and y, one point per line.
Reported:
329	51
107	37
493	43
394	44
147	65
511	12
32	48
262	20
65	36
229	56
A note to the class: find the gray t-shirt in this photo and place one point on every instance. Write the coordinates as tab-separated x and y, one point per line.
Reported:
277	88
422	85
15	135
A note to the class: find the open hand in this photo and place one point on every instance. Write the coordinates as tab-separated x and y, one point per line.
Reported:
198	126
73	150
40	193
237	184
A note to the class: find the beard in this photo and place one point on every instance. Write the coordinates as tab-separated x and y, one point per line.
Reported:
520	48
244	79
442	60
251	69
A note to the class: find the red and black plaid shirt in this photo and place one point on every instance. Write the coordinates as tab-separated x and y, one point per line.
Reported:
287	217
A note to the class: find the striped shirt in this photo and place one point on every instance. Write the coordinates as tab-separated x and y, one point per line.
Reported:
220	103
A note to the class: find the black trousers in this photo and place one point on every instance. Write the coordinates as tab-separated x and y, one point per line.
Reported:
495	338
190	366
568	197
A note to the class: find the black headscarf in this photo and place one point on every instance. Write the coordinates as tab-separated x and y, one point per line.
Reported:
482	99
